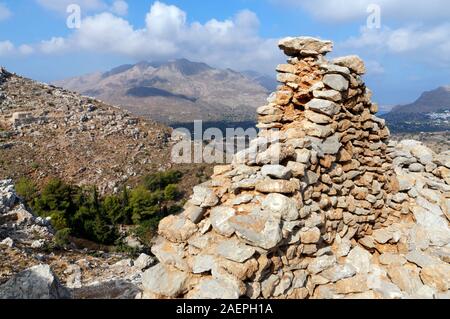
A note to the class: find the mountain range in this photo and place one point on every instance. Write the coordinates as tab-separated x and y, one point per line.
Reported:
429	113
178	91
429	102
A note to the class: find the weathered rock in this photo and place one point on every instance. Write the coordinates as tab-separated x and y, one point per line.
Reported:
277	186
203	263
317	117
220	217
339	272
360	259
164	281
352	285
193	213
310	236
170	253
282	206
144	261
37	282
204	197
235	250
210	288
264	232
305	46
331	145
392	259
331	95
336	82
276	171
406	279
382	236
436	276
353	62
176	228
321	263
323	106
268	286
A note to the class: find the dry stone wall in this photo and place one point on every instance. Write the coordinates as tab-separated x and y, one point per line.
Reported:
277	222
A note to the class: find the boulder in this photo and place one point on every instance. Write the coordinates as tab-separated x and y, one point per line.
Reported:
353	62
323	106
331	95
281	206
276	171
210	288
277	186
176	228
204	197
321	263
234	250
336	82
360	259
144	261
164	281
305	46
264	232
220	217
37	282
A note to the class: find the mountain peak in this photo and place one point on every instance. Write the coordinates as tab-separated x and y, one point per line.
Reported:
187	67
176	91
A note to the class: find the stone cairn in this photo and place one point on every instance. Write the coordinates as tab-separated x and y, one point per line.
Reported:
317	174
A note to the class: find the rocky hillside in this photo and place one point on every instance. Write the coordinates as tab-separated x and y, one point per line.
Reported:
175	92
429	113
29	258
49	132
322	205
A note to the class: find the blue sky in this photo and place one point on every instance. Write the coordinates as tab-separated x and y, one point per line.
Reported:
407	53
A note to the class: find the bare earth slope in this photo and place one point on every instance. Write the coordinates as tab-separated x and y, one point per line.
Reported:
48	132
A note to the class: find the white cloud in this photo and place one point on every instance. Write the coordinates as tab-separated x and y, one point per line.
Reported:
26	49
5	13
6	47
344	10
54	45
167	34
426	44
120	7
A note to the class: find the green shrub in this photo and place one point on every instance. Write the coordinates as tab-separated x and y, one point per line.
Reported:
62	238
81	212
26	189
159	181
171	192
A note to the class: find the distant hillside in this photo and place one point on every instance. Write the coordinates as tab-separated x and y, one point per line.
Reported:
177	91
268	82
47	132
431	101
429	113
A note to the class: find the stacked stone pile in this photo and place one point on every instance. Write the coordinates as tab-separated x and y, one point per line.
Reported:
294	215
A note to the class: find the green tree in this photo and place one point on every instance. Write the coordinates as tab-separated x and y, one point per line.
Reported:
160	180
144	204
26	189
171	192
